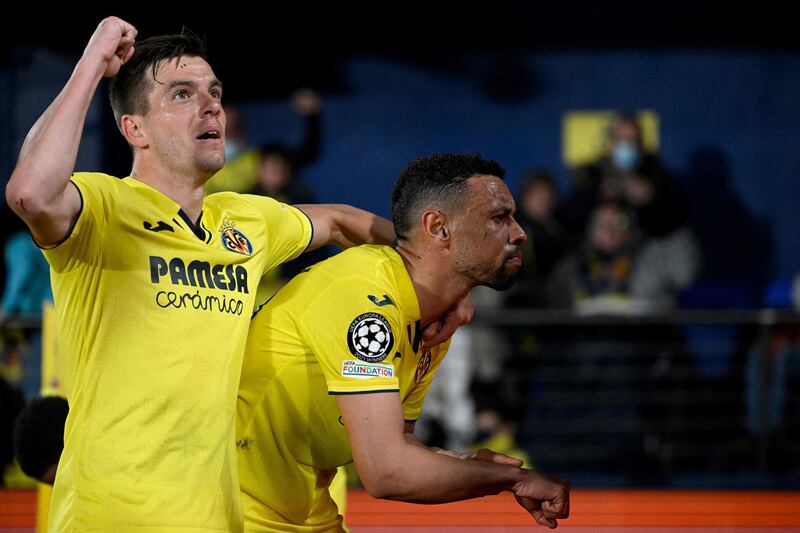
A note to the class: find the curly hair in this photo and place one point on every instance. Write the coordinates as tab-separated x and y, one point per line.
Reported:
437	180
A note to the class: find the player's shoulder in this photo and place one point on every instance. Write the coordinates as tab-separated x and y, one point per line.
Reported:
243	204
371	276
228	197
96	179
375	262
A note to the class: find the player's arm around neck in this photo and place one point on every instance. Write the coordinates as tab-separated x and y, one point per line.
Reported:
346	226
38	189
394	467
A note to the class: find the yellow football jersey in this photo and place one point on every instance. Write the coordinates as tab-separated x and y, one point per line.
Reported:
348	325
153	312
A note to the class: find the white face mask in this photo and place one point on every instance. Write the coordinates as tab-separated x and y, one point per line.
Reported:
625	155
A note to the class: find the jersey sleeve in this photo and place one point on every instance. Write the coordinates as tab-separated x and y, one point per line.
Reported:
84	242
288	230
353	339
427	366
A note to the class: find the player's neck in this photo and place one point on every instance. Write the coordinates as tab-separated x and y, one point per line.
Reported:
436	286
184	190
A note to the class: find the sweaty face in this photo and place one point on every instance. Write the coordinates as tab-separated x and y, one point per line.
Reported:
487	240
185	122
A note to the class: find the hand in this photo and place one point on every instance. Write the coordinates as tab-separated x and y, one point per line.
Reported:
489	456
111	43
484	454
545	498
455	317
306	102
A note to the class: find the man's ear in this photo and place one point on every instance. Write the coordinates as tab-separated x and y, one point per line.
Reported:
435	225
132	128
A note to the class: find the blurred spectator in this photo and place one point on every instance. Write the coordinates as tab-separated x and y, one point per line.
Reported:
669	257
609	177
277	178
279	162
498	435
245	169
612	370
27	283
617	272
546	245
598	275
27	288
240	172
39	437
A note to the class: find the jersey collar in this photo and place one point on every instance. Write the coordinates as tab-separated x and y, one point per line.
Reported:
168	205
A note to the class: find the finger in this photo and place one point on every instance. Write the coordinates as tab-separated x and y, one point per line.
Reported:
506	460
554	508
563	498
128	36
543	520
124	46
128	55
431	331
127	31
466	309
485	454
124	49
445	332
503	459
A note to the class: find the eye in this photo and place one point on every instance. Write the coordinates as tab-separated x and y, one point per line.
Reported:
216	93
181	95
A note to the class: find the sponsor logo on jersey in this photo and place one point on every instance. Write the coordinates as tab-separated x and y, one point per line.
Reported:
175	272
234	240
370	337
361	370
423	366
198	274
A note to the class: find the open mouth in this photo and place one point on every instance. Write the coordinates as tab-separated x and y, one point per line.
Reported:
212	135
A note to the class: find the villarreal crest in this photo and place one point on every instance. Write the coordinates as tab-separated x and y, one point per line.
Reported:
234	240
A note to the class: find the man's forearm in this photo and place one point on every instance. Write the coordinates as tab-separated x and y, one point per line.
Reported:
346	226
355	226
394	466
424	476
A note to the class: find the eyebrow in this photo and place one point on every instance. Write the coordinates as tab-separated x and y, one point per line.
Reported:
504	209
192	84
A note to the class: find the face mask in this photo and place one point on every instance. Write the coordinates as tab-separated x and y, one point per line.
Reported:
233	149
625	155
